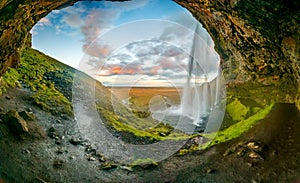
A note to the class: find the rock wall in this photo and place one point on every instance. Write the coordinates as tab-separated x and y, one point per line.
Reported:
257	40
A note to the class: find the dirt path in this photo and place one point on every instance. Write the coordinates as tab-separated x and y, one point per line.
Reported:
273	156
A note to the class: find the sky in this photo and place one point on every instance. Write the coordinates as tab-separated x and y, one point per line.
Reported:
134	43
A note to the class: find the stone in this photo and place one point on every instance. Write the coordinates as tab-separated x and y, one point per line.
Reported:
91	158
16	123
91	148
75	141
27	115
254	155
252	145
52	133
127	168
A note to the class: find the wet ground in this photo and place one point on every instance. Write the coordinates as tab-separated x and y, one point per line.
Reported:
269	152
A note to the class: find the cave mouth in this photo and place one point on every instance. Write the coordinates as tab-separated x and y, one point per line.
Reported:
145	53
156	47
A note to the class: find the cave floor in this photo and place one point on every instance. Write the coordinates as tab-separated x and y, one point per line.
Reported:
45	159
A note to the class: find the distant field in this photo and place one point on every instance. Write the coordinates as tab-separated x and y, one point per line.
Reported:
140	96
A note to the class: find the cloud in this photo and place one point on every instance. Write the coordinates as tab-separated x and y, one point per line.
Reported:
150	58
40	25
100	19
73	20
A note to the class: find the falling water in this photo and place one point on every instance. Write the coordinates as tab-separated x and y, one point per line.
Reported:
201	92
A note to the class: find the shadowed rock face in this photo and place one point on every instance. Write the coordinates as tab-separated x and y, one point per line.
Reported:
257	40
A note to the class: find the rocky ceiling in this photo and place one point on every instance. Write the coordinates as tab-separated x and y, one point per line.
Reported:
257	40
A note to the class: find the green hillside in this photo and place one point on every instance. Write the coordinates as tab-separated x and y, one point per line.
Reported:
51	81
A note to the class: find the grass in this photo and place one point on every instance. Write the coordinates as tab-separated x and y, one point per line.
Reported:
34	65
231	132
247	104
237	129
147	161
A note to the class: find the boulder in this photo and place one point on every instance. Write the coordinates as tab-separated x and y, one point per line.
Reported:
27	115
15	122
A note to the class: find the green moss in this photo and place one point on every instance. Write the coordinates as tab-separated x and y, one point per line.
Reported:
9	79
34	65
237	129
147	161
185	151
237	110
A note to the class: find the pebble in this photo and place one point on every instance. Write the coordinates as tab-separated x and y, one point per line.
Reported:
252	145
91	158
210	171
91	148
162	134
26	151
127	168
254	155
52	133
75	141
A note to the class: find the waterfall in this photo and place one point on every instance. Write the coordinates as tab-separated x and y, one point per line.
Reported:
201	93
195	101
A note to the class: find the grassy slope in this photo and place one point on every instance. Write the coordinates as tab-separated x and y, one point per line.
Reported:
44	76
51	84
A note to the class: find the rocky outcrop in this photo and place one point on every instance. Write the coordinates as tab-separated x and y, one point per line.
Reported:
257	40
16	123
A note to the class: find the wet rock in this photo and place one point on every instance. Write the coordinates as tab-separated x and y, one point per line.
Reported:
252	149
27	115
75	141
90	148
254	155
91	158
127	168
241	152
254	146
52	133
16	123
